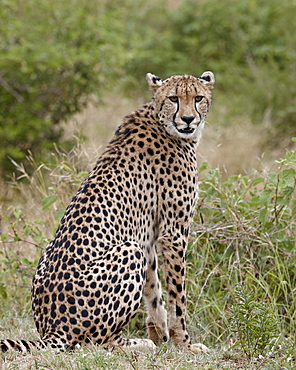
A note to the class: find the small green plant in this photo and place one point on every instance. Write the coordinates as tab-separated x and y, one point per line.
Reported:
252	323
20	250
26	229
241	236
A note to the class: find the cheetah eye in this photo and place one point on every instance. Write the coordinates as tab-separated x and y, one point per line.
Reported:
173	98
198	98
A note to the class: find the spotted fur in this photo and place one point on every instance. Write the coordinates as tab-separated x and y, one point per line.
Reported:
139	198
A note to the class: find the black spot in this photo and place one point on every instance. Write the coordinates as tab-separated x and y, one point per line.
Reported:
150	151
172	293
126	298
72	310
62	308
179	288
121	312
69	286
97	312
153	266
86	323
66	328
117	289
61	297
178	311
177	268
114	279
91	303
84	313
110	322
131	287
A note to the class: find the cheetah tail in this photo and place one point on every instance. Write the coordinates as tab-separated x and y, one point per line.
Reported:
24	346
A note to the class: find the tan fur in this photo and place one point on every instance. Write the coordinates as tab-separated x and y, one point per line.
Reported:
140	196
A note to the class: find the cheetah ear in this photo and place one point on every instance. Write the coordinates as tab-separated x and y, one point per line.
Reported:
207	78
154	82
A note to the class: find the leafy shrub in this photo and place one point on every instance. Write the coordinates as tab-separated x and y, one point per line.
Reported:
26	230
53	57
244	233
20	251
246	44
253	324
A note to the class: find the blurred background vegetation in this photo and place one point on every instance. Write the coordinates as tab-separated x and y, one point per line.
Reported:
56	56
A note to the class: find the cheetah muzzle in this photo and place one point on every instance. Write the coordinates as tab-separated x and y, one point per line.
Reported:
139	198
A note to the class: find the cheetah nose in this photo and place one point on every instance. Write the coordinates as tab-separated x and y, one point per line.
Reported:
187	119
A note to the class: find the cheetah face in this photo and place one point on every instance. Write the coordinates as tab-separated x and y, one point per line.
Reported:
182	103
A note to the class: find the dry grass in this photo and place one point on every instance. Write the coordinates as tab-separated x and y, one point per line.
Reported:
235	147
166	357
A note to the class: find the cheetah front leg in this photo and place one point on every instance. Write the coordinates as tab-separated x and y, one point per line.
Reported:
174	252
157	315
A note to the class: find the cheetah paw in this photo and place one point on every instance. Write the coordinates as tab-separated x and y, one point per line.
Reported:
142	344
199	348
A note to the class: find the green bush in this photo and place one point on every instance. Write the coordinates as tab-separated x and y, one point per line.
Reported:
253	324
25	230
247	44
244	233
53	56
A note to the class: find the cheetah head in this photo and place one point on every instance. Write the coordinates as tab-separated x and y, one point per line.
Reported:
182	103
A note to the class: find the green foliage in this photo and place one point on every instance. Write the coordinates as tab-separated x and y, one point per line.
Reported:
247	44
244	232
55	56
52	58
46	194
253	324
20	251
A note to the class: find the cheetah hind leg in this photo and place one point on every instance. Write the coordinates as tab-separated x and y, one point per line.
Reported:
131	254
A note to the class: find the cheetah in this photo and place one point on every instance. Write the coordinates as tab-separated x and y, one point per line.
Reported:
139	199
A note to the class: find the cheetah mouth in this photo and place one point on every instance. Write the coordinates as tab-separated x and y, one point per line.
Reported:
187	130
